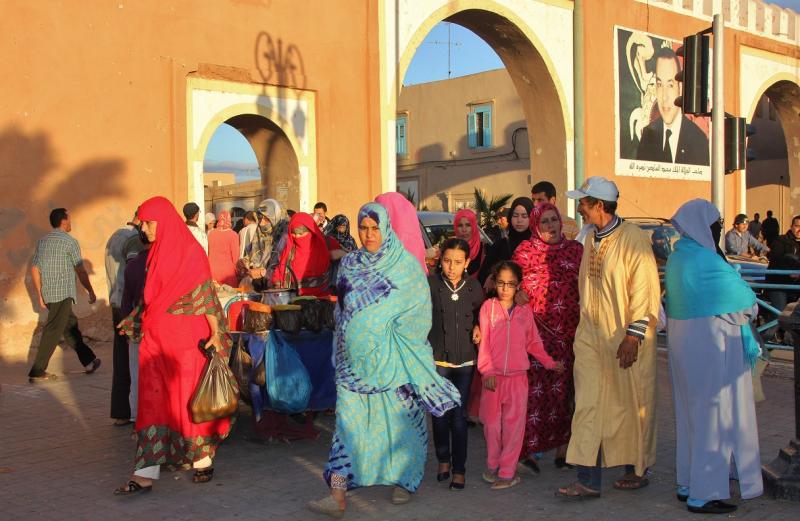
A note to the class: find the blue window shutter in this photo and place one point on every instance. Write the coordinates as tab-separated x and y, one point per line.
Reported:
487	126
472	137
402	147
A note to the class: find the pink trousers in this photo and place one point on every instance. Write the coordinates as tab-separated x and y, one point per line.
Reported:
502	413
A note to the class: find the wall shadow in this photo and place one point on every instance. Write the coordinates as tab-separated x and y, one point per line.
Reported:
28	163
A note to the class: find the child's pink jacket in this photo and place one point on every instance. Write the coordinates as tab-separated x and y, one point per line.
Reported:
507	340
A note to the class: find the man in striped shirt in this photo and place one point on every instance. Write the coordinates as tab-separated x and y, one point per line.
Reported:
56	262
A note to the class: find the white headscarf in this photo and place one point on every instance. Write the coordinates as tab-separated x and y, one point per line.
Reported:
694	220
272	209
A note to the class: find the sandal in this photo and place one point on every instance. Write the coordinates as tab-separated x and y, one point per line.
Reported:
577	490
203	475
502	483
489	475
631	482
132	487
326	506
400	496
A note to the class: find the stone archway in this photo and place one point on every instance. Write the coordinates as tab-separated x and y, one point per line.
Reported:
280	124
538	57
277	161
773	178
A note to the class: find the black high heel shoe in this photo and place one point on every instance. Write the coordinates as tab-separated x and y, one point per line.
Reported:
443	476
454	485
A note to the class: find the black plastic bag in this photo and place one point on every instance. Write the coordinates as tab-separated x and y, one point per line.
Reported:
288	320
312	314
328	314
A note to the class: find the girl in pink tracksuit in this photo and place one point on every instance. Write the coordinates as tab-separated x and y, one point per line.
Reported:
508	336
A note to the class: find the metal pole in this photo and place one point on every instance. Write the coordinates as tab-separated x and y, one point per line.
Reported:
578	125
718	119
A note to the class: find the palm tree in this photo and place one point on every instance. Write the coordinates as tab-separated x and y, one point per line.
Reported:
488	210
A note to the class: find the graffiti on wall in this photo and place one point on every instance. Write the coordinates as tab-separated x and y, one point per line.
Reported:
654	138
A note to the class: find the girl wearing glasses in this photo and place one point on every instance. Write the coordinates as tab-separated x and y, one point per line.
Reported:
508	336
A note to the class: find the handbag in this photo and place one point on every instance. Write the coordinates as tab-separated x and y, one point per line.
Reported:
216	395
288	382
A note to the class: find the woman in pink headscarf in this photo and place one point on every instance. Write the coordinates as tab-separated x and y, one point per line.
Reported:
405	223
466	227
223	250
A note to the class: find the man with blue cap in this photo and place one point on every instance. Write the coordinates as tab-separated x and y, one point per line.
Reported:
615	347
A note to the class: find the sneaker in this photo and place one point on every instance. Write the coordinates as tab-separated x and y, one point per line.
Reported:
92	367
46	377
400	496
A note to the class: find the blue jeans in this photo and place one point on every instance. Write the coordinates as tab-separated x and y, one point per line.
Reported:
592	476
450	431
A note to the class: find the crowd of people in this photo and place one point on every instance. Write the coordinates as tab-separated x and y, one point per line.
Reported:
755	239
549	341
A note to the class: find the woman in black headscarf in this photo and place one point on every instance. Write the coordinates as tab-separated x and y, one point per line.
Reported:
339	229
519	218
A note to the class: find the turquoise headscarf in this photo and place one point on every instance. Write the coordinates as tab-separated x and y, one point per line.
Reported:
699	282
382	323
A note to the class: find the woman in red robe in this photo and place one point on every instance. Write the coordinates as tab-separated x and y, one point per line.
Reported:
550	264
180	310
306	259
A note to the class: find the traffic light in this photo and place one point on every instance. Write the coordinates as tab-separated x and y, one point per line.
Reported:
736	152
694	76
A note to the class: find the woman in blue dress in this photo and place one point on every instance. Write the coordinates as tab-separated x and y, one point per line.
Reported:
386	380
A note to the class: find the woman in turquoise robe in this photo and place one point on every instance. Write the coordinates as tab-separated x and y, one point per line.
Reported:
386	380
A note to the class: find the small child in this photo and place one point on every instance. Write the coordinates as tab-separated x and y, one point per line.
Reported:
508	336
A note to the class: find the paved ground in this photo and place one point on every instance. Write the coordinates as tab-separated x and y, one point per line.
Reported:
60	458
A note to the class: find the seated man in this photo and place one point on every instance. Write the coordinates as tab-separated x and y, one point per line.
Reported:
785	255
738	240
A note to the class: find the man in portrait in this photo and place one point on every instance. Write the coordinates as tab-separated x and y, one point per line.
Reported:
672	137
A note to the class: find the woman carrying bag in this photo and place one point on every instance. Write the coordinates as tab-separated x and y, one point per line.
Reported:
180	308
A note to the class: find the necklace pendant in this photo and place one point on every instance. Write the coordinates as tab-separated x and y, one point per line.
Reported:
454	296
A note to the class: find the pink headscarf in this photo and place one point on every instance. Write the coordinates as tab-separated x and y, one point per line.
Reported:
475	238
224	220
405	224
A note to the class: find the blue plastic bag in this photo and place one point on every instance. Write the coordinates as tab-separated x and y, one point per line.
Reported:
288	383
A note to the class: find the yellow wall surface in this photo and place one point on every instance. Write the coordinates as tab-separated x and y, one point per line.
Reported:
438	153
218	178
93	113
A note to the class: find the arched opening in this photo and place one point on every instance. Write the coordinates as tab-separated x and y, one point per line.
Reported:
241	180
499	131
771	176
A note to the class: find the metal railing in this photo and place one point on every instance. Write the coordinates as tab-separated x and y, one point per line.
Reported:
754	278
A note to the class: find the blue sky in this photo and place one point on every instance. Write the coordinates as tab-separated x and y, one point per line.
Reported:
229	151
468	55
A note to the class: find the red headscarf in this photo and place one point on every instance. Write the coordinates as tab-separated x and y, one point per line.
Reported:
224	220
475	238
309	254
550	278
176	264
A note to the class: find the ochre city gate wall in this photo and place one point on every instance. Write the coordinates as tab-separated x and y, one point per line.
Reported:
95	117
